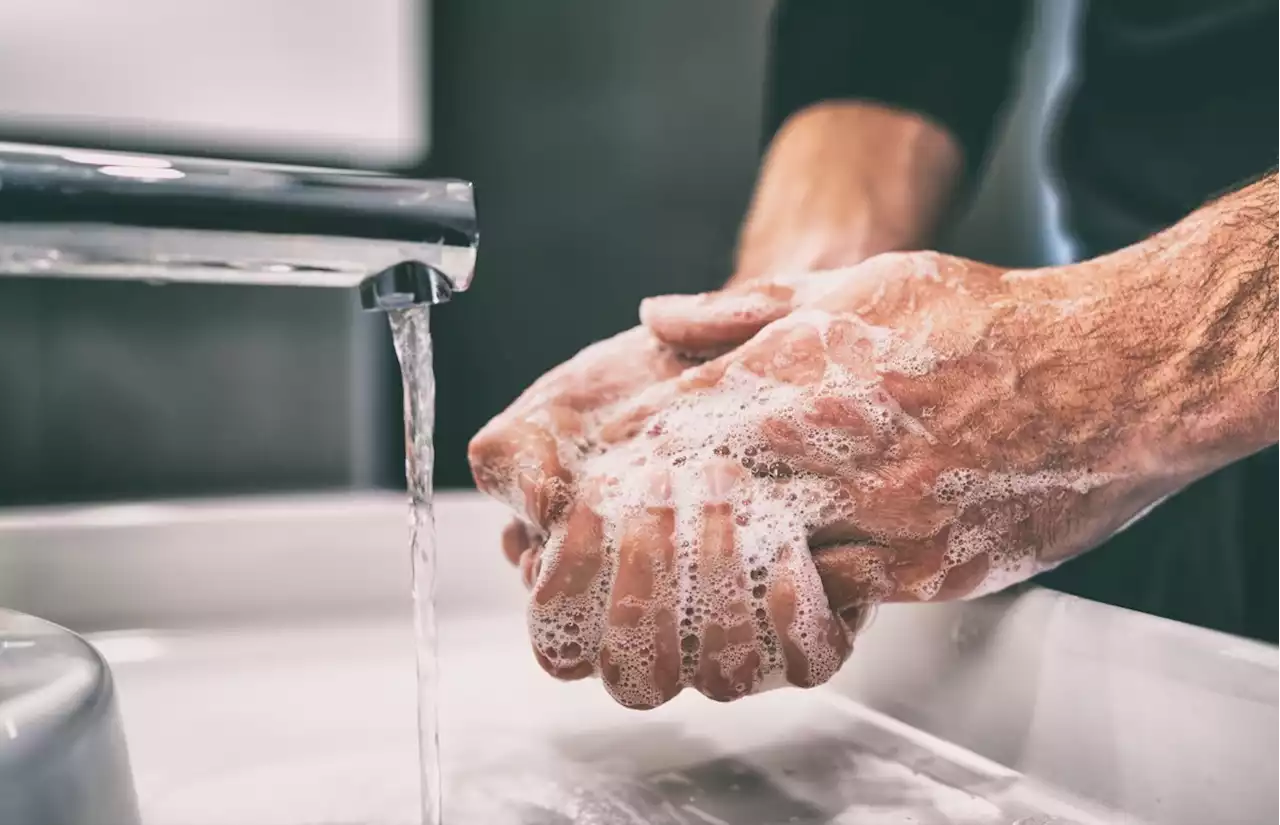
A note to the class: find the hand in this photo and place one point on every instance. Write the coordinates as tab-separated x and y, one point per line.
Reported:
842	181
920	427
528	456
534	457
938	428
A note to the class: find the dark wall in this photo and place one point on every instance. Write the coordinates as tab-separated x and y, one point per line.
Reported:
614	146
113	389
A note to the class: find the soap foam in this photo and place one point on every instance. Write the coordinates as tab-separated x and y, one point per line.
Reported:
738	445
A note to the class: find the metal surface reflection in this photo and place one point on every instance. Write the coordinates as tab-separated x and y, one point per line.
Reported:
91	214
62	750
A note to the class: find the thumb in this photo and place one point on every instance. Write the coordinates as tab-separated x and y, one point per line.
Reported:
855	576
714	322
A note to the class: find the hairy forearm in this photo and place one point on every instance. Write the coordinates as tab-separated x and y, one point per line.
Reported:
843	181
1219	265
1174	340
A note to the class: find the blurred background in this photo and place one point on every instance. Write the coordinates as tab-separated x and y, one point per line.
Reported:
613	146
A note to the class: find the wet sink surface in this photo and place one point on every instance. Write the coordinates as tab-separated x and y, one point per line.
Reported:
316	725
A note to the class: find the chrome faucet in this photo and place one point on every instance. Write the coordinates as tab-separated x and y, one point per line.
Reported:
89	214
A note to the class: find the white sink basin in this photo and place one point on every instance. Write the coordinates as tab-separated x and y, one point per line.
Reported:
62	749
263	656
316	725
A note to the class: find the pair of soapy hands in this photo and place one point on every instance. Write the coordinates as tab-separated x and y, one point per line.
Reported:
716	498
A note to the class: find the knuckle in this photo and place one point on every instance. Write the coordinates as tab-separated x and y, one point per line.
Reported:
489	454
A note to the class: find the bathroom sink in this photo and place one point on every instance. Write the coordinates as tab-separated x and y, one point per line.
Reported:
315	725
263	655
62	750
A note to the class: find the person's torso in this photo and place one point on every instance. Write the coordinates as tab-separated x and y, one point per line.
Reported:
1175	102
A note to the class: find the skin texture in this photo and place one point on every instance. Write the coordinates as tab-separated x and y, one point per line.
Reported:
794	450
843	181
529	455
894	172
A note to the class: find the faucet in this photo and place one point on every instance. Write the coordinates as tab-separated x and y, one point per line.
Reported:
92	214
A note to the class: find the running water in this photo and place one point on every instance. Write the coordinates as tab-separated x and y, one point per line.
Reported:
412	335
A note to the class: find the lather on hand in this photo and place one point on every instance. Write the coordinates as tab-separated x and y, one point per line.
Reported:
529	456
842	182
919	427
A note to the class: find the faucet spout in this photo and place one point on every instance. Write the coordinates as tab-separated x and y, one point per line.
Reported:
90	214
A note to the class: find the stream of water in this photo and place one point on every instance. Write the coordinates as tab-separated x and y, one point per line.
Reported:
412	334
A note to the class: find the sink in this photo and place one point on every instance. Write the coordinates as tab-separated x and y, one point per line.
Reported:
263	658
308	725
62	750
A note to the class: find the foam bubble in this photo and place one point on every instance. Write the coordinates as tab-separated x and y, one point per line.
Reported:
779	478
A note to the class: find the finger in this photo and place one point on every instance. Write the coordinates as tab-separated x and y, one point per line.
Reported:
791	351
723	658
606	372
964	578
940	568
715	321
944	567
515	541
530	561
814	641
957	561
527	456
566	612
567	673
854	576
631	418
640	415
518	463
886	502
640	656
594	376
530	567
786	447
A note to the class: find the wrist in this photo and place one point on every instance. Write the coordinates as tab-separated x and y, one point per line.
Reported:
843	181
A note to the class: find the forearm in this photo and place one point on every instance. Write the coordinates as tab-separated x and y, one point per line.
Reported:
857	179
1170	345
1220	266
